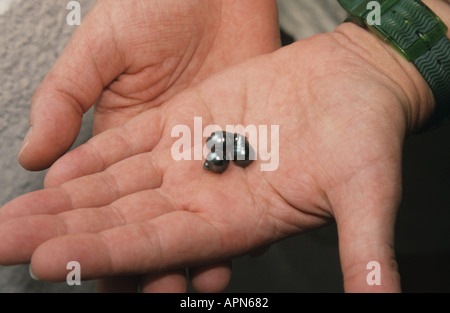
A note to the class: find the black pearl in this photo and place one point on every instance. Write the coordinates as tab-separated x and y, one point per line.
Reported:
243	154
218	142
225	146
216	163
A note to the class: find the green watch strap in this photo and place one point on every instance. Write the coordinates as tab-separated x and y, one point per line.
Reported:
418	34
434	66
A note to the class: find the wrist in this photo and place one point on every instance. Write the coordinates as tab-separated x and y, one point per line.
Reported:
250	23
419	102
405	81
244	29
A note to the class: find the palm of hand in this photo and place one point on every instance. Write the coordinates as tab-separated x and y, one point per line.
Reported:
338	158
129	56
160	49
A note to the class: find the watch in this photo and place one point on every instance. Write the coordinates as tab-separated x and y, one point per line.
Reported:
418	34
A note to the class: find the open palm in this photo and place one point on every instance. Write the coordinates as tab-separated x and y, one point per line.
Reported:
129	56
121	204
132	55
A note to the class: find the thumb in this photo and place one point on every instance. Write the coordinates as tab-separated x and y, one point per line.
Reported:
365	215
88	63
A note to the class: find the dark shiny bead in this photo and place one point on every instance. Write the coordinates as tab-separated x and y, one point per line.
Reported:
218	142
216	163
243	153
225	146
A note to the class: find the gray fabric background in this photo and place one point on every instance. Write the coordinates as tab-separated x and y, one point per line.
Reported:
33	33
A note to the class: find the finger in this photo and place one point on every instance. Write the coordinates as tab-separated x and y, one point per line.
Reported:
166	282
24	235
173	240
137	173
125	284
46	201
365	220
140	135
140	172
211	279
89	62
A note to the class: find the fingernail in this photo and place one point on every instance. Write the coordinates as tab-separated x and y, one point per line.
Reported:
25	141
31	273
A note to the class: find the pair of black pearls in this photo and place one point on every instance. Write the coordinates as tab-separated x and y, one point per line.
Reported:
220	143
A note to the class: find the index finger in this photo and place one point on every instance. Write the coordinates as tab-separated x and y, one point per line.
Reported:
131	249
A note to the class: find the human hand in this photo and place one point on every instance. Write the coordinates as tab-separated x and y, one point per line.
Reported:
132	56
344	108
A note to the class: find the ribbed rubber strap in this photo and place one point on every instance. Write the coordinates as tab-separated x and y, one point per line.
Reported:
435	68
420	38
